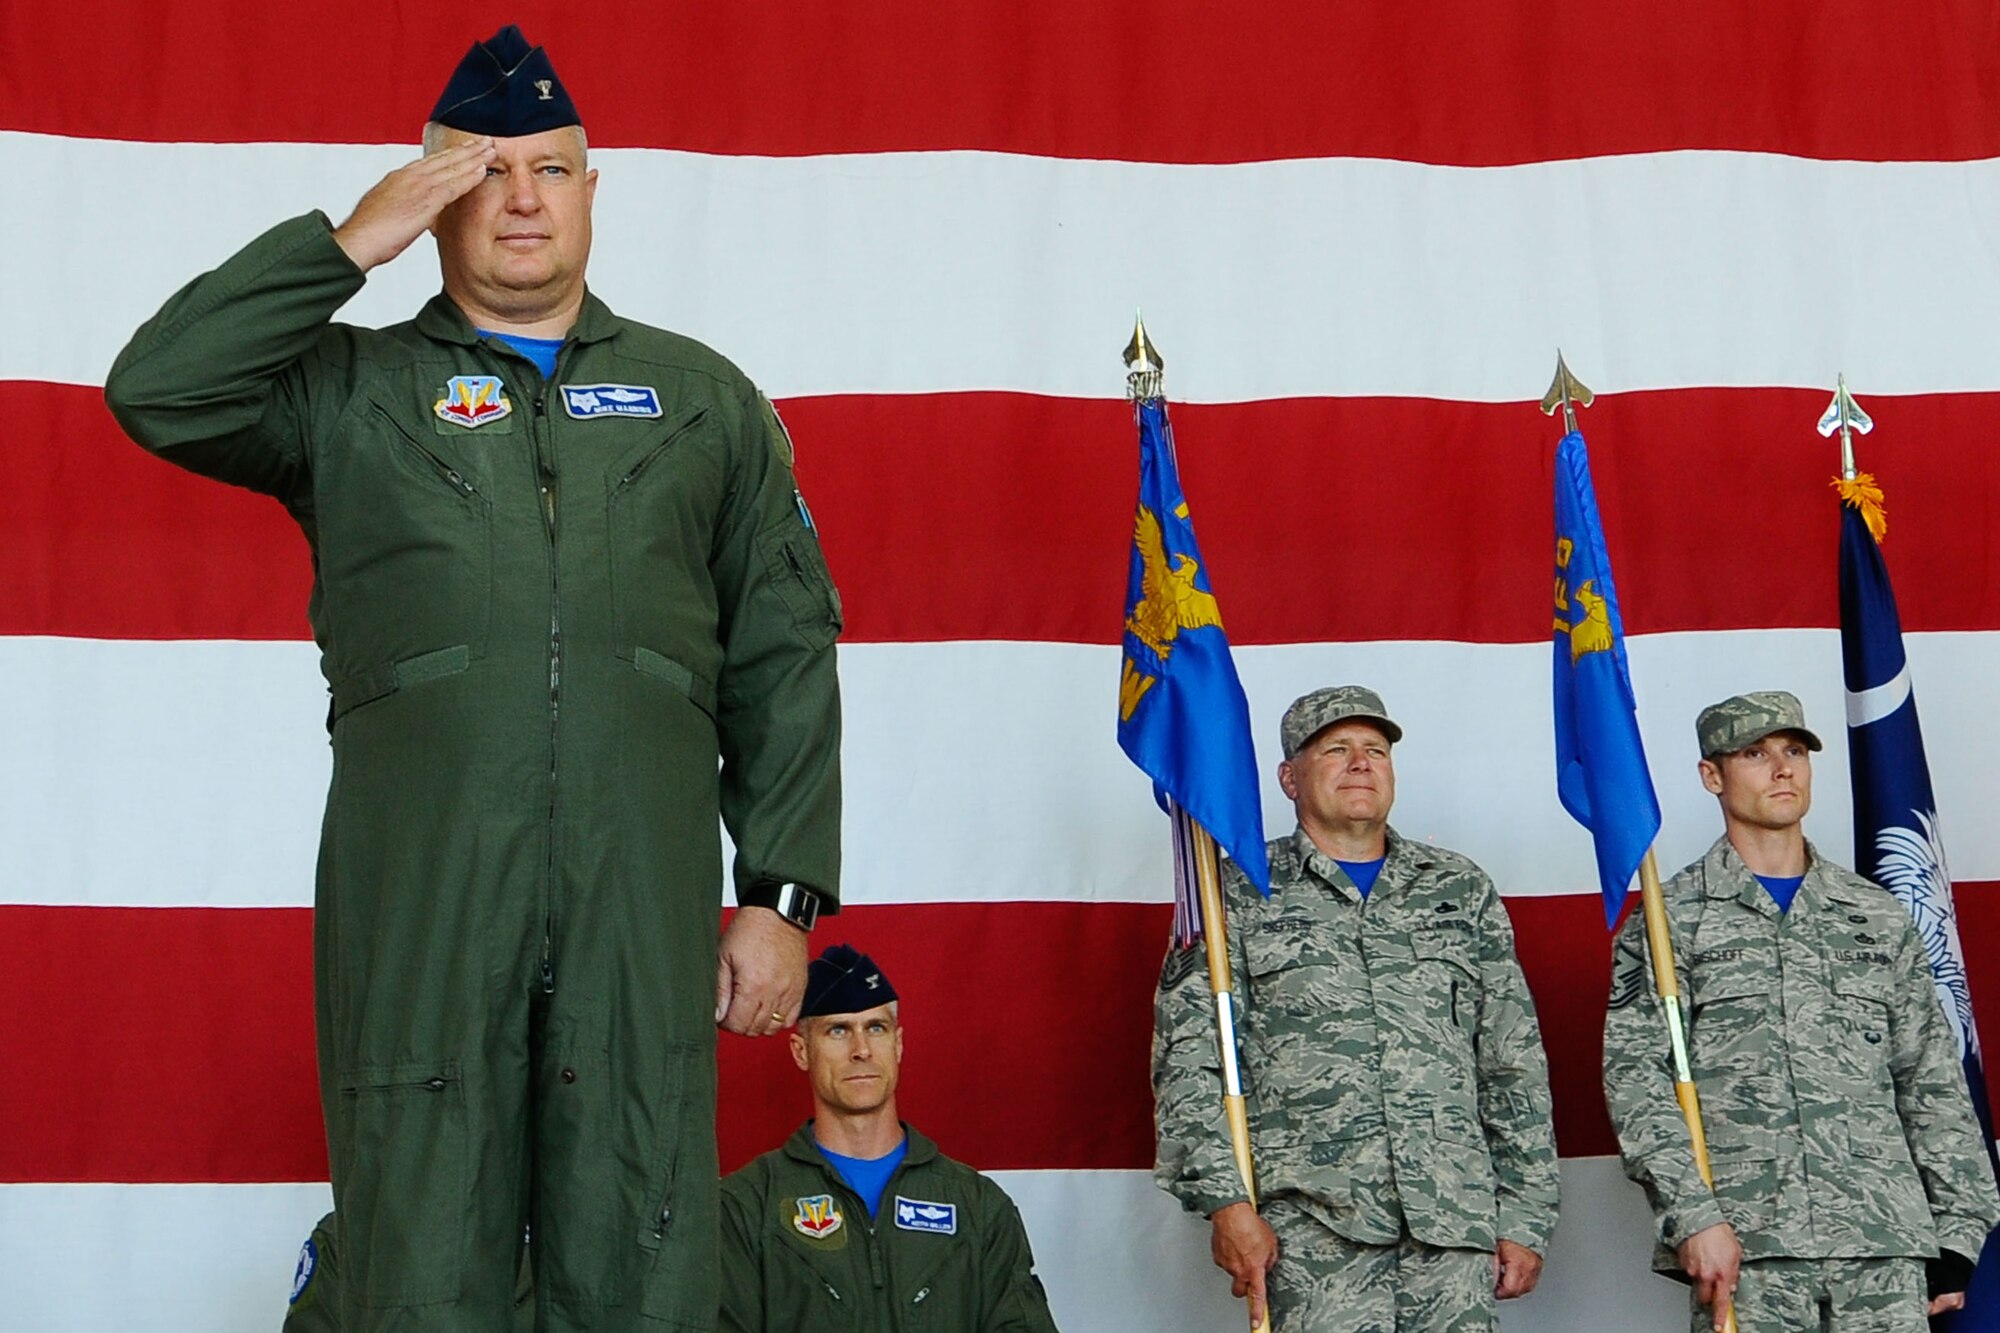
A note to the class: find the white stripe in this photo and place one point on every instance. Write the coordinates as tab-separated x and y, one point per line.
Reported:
915	272
1878	701
192	773
1113	1252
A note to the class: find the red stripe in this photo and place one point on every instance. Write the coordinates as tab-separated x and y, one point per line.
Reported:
176	1044
1007	516
1178	80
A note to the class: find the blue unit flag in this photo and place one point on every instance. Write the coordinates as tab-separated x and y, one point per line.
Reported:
1896	838
1601	772
1182	715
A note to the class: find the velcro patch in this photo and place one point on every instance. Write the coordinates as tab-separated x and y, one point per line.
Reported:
585	401
302	1276
937	1218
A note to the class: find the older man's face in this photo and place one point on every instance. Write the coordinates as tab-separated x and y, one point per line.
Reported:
1342	776
516	245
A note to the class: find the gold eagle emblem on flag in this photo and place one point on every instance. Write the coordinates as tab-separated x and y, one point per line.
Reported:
1168	603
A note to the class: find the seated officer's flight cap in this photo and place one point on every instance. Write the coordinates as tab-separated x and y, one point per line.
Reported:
843	980
506	88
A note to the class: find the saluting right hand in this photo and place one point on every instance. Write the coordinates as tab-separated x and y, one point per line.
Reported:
1245	1247
1712	1257
406	202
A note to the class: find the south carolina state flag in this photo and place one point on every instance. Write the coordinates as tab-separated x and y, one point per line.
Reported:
1182	715
1897	842
1601	772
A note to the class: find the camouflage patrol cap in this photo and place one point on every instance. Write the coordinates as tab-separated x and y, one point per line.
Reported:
1315	712
1745	719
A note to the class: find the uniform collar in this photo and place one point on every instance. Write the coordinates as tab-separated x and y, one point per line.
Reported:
803	1147
442	321
1725	876
1317	862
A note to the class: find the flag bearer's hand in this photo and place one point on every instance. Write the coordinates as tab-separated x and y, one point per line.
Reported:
1712	1257
1516	1269
1246	1248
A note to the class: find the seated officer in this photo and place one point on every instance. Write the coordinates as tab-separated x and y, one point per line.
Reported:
858	1221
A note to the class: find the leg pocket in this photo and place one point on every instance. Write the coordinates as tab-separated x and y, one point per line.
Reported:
677	1235
402	1205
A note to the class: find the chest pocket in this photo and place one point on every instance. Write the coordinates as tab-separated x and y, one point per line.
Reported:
664	484
404	543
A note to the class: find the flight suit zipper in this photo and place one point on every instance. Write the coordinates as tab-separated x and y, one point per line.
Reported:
545	468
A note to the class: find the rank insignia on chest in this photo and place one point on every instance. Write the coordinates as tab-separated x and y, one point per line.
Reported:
917	1215
818	1216
585	401
473	400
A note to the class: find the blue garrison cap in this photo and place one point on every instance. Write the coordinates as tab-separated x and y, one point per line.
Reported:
844	980
506	88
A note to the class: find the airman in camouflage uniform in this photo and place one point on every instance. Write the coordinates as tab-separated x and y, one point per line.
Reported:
1845	1154
1398	1094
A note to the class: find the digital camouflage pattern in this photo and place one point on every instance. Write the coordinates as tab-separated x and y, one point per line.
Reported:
1745	719
1836	1113
1313	713
800	1252
1830	1295
1325	1283
1393	1069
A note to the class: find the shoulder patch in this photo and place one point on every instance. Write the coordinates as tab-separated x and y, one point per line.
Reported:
940	1219
302	1276
587	401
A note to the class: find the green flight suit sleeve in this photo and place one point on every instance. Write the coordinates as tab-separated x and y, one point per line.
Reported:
1936	1112
1016	1302
227	380
742	1282
1639	1090
1514	1104
778	700
1194	1162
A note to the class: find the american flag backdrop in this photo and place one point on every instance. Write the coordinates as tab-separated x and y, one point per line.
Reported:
1359	232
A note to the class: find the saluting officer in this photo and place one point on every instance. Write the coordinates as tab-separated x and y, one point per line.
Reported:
1398	1094
1851	1188
569	610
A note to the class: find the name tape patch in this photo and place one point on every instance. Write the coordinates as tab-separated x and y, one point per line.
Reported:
917	1215
584	401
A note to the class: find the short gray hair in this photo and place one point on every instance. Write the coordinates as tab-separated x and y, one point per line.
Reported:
437	134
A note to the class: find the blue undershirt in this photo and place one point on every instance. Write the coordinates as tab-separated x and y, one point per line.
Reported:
866	1176
1363	873
541	351
1782	888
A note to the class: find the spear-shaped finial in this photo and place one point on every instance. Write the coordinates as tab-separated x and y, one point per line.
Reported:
1856	487
1567	392
1145	368
1843	414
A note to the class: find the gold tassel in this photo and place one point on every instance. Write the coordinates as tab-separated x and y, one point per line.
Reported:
1865	495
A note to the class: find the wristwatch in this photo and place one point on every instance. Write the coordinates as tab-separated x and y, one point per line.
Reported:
797	903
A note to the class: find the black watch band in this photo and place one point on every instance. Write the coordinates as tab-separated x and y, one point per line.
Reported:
796	903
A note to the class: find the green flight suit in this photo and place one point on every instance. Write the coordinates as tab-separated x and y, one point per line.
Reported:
314	1308
559	642
945	1252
